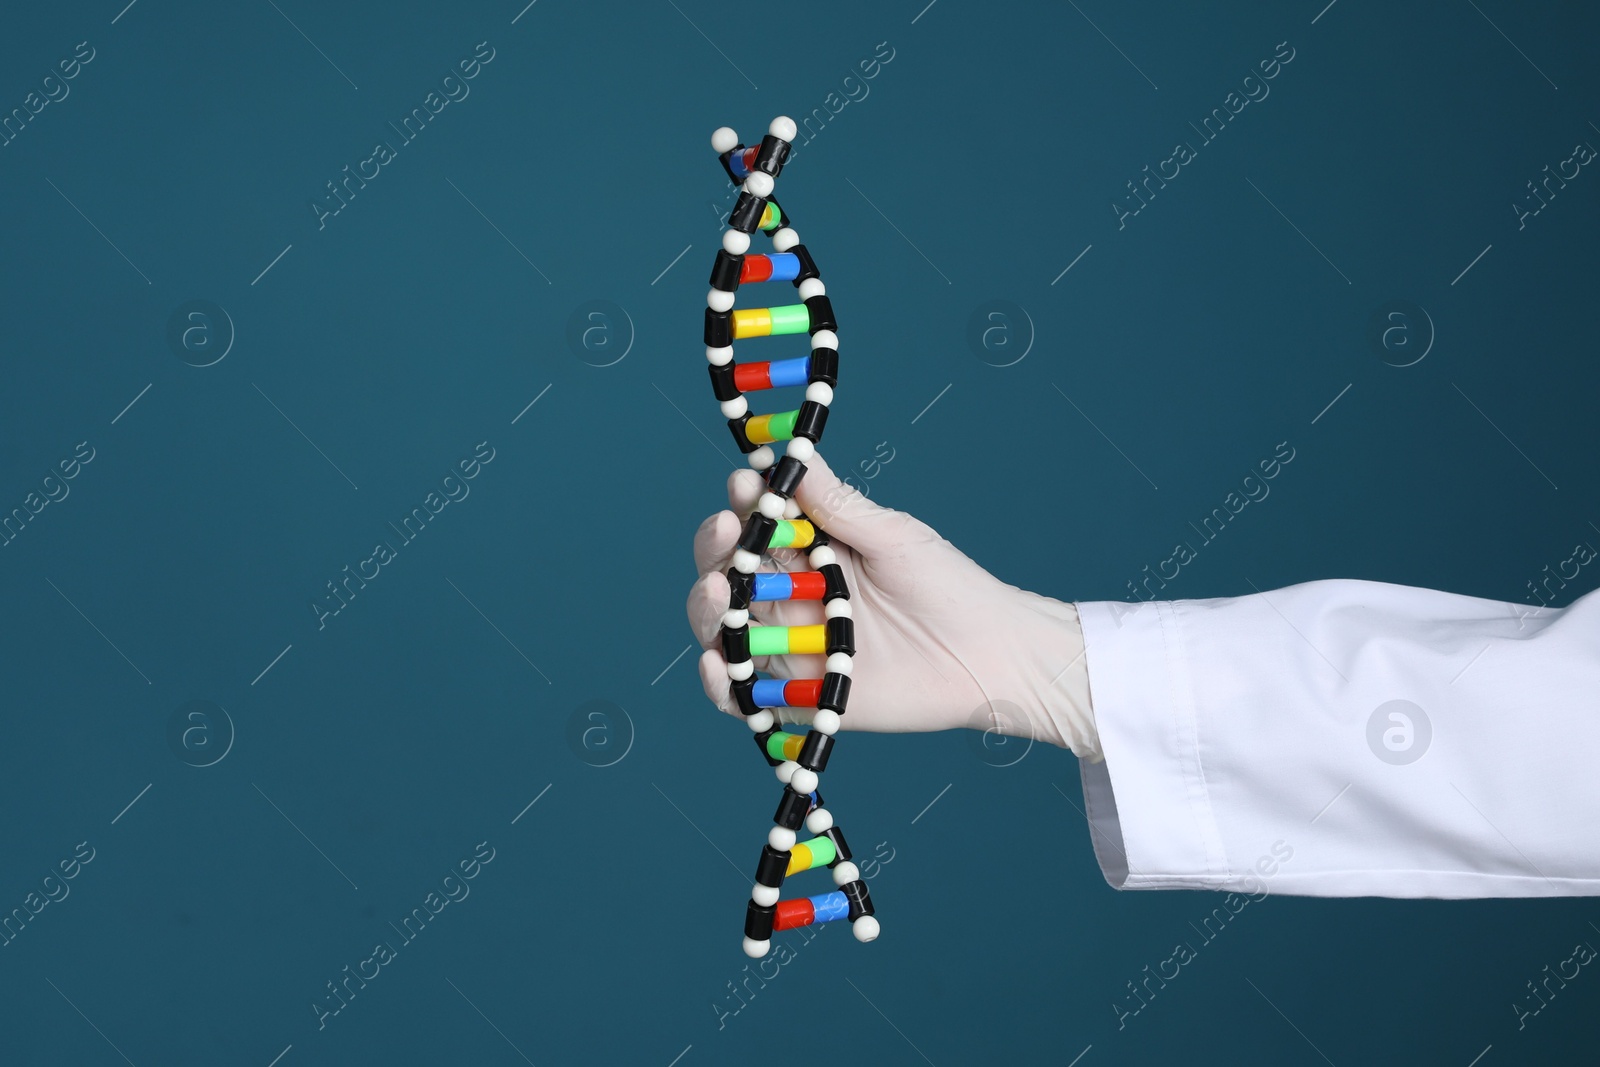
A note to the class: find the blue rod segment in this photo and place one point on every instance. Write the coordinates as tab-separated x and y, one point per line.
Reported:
830	906
768	693
736	164
772	587
784	372
785	266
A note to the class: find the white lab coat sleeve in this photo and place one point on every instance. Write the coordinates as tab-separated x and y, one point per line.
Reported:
1253	744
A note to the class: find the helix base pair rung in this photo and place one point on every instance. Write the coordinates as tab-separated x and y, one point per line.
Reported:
766	913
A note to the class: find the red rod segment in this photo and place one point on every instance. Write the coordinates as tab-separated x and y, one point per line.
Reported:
807	585
793	913
748	377
802	692
756	268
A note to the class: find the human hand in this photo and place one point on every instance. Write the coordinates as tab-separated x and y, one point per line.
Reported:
944	644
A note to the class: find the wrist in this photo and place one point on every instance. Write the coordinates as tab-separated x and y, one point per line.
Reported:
1059	675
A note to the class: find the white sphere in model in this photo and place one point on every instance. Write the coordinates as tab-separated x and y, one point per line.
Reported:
819	821
738	243
865	928
724	139
780	838
760	721
765	895
803	781
756	949
782	127
759	183
825	721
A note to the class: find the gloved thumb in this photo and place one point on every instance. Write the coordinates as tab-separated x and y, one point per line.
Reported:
844	512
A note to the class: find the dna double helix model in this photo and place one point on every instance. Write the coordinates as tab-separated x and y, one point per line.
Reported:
777	523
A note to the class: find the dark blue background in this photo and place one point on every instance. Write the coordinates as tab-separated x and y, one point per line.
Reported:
378	751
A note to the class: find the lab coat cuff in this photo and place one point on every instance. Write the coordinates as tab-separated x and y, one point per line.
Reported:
1149	809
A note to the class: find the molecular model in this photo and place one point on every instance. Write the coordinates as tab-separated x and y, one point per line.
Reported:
777	523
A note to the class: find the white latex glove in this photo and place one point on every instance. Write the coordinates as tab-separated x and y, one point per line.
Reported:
941	643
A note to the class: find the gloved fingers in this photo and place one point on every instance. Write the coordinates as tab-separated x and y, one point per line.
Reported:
708	599
794	716
841	509
714	679
715	540
745	487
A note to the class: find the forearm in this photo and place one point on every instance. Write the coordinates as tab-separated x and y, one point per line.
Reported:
1229	726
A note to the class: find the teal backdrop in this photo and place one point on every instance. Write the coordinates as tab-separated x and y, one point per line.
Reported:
1066	340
